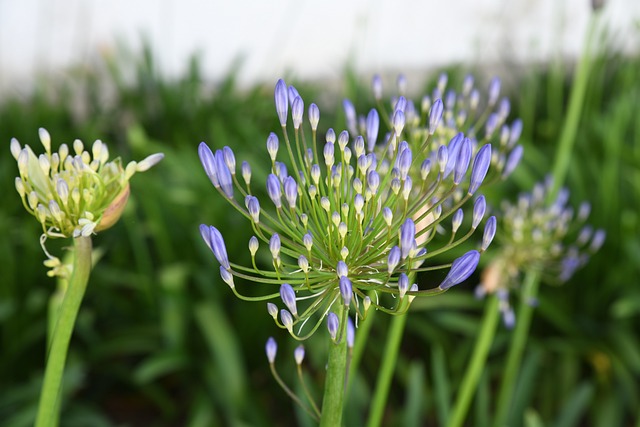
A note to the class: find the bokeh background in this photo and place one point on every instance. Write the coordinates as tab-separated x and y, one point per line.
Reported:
161	341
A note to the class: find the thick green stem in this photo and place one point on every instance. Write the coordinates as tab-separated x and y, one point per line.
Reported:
389	359
334	384
518	343
477	364
57	355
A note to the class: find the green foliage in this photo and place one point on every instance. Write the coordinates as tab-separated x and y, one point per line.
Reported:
161	341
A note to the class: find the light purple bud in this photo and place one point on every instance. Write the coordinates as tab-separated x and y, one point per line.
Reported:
492	123
328	152
281	171
489	232
253	206
297	112
314	116
341	269
272	309
461	269
443	157
504	108
372	127
508	317
443	78
229	159
480	167
598	240
282	102
404	162
435	115
425	168
454	149
208	161
332	325
292	92
331	136
298	354
214	240
307	241
286	319
398	122
274	245
400	104
403	284
271	350
351	333
291	191
224	175
450	100
246	172
373	181
272	146
376	84
583	211
474	99
288	296
456	221
467	84
407	237
350	113
479	207
462	163
515	132
273	189
512	161
227	277
345	290
494	91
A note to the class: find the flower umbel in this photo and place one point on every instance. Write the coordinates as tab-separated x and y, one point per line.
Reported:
351	223
74	191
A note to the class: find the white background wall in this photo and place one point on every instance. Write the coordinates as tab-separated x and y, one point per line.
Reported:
309	39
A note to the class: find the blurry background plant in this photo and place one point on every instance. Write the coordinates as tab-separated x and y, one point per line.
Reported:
158	309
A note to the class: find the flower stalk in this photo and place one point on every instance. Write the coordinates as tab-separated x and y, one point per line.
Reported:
335	381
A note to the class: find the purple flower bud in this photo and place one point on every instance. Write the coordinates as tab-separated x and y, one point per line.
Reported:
307	241
425	168
292	92
515	132
341	269
492	123
435	115
274	245
224	175
288	296
282	102
441	85
345	290
387	215
343	139
229	159
404	162
272	146
246	172
208	161
332	325
372	127
376	84
450	100
462	162
286	319
512	161
214	240
598	240
298	354
227	277
467	84
314	116
403	285
489	232
400	104
373	181
461	269
328	152
272	309
479	207
297	112
271	350
443	157
456	221
253	206
583	211
480	167
273	189
407	237
503	109
351	333
398	122
290	191
454	149
350	113
494	91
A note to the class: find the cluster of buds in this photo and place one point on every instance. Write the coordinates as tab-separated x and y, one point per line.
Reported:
542	235
73	192
359	220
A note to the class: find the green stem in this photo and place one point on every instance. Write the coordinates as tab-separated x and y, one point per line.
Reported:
518	343
477	364
52	384
334	384
389	359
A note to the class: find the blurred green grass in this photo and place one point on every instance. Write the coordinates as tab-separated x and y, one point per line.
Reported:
161	341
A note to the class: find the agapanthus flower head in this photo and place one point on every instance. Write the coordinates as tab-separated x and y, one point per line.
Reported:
540	234
77	190
357	215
